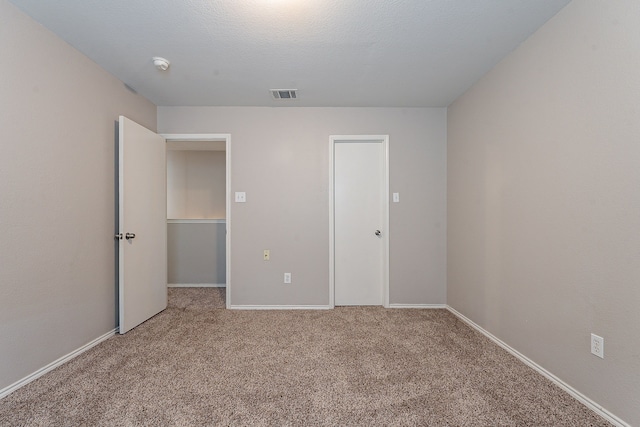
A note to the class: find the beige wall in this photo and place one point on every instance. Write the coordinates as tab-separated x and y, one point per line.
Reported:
280	158
57	114
544	200
196	184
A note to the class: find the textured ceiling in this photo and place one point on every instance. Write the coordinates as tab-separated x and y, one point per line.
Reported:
381	53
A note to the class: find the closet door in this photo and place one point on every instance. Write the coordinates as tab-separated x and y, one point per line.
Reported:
142	231
359	222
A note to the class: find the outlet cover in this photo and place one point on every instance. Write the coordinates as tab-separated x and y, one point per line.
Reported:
287	277
597	345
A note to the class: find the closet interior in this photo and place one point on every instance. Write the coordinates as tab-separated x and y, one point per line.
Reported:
196	213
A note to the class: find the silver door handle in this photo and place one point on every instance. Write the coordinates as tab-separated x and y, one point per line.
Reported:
130	236
378	233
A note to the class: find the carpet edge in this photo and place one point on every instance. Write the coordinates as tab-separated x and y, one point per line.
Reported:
589	403
51	366
279	307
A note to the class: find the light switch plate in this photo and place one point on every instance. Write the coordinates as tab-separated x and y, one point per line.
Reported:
396	197
241	197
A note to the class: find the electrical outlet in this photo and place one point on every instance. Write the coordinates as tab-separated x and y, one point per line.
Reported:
597	345
266	255
287	277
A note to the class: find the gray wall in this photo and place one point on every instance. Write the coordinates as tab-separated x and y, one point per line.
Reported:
196	253
280	158
57	115
544	200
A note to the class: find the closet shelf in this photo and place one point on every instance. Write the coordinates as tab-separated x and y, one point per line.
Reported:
196	221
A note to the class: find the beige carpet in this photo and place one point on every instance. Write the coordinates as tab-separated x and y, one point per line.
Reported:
194	365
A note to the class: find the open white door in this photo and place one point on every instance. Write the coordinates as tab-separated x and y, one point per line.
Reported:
143	224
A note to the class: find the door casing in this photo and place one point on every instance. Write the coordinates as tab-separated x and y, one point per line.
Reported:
336	139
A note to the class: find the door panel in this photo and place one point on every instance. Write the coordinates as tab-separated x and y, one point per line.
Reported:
358	213
142	211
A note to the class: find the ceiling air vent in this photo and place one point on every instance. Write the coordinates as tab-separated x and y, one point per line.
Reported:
284	93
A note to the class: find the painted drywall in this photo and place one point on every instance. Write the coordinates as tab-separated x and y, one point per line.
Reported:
176	185
280	158
196	184
196	253
543	200
57	115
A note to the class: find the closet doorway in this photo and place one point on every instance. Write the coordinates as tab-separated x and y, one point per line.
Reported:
198	211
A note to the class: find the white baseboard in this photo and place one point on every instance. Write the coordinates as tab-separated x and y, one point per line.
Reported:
196	285
326	307
598	409
64	359
417	306
280	307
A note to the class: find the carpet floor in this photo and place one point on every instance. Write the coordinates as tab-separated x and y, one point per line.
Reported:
194	365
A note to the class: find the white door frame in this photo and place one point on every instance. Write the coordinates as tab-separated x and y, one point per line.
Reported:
384	139
226	137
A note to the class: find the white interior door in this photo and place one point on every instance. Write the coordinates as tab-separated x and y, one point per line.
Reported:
359	222
142	223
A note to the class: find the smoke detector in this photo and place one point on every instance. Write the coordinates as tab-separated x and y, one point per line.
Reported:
161	63
284	93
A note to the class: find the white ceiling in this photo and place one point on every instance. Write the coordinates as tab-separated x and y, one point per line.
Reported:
379	53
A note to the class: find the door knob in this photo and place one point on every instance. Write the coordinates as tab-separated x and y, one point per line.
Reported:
130	236
378	233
